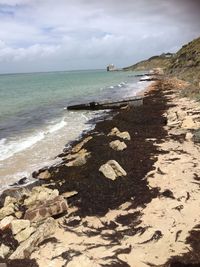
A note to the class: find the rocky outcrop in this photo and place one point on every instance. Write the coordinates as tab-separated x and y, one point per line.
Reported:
43	231
118	145
112	170
49	208
122	135
39	195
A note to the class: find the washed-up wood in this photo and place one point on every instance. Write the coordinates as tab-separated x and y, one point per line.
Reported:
136	101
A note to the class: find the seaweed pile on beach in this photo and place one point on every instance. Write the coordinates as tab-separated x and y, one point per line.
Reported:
122	195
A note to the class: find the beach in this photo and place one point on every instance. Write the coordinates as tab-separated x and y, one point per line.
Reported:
125	194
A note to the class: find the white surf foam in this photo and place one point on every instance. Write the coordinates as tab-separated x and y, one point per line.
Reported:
10	147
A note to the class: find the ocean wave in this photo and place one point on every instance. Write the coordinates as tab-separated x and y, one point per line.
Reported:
10	147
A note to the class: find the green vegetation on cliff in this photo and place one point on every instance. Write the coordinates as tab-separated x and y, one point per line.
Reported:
162	61
186	62
186	66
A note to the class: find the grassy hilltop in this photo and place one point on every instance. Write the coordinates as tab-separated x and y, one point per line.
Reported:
162	61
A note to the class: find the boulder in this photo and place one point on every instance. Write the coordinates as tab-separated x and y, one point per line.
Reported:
4	250
112	170
39	194
6	222
122	135
24	234
118	145
49	208
43	231
18	225
44	175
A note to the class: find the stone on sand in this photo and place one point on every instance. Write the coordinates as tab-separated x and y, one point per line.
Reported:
123	135
44	175
112	170
118	145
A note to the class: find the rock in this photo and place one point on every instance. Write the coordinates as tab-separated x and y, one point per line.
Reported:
9	200
112	170
118	145
40	194
24	234
18	214
189	123
6	222
79	161
78	147
188	136
122	135
4	250
49	208
5	211
43	231
44	175
69	194
18	225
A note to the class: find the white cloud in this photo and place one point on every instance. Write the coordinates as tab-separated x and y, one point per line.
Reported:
42	34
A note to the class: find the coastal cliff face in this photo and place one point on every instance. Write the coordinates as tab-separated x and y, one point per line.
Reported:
162	61
186	62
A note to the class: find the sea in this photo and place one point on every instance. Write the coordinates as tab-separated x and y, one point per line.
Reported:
35	125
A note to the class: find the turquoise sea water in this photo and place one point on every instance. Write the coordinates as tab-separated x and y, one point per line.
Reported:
33	108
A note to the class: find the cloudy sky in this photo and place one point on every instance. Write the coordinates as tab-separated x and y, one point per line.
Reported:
47	35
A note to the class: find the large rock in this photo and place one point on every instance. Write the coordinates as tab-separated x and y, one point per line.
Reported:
112	170
24	234
118	145
18	225
43	231
122	135
4	250
40	194
49	208
6	222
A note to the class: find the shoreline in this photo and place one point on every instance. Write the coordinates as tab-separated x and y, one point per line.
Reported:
123	221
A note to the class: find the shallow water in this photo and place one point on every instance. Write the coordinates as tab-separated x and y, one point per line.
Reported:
34	123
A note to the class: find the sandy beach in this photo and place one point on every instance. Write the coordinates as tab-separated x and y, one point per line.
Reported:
141	210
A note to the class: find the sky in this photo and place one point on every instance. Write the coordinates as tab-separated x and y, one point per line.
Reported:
49	35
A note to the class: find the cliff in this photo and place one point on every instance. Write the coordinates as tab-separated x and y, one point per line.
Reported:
186	62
